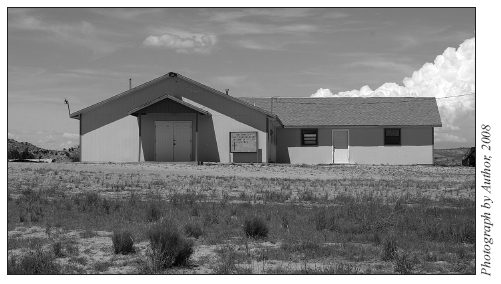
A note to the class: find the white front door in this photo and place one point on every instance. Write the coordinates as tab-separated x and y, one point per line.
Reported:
173	141
341	152
164	136
182	141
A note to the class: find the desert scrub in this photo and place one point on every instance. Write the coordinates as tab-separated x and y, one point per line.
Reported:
255	227
402	264
153	212
228	259
123	242
193	230
36	261
389	248
168	246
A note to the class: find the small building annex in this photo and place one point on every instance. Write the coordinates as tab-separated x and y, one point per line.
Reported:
175	119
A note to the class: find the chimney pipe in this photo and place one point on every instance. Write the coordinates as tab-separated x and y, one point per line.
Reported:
227	90
130	83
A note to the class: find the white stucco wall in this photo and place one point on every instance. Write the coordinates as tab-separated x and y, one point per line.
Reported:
117	141
393	155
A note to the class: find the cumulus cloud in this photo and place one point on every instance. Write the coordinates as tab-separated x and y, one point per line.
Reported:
183	42
47	139
452	74
71	135
323	93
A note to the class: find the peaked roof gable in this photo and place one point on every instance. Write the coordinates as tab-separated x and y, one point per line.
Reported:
352	111
165	77
172	98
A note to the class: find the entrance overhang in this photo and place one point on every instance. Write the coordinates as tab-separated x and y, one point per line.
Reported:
142	108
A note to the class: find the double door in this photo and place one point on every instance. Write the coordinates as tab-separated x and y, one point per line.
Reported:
173	141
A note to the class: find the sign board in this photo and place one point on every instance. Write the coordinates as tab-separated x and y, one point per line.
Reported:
243	142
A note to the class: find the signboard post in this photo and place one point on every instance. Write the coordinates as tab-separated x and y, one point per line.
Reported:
244	142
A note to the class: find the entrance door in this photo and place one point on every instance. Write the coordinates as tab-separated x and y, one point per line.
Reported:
340	146
182	141
173	141
164	135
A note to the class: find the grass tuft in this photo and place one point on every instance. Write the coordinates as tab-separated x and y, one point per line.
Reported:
193	230
389	248
168	246
123	242
153	212
35	261
402	264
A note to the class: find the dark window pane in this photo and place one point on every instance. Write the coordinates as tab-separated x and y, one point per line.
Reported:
392	137
309	137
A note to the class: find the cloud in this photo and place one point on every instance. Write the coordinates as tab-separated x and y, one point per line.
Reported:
231	81
71	135
335	15
82	34
252	44
183	43
127	13
47	139
67	144
270	14
322	93
382	63
448	78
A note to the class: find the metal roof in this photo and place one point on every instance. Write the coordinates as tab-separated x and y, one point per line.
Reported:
352	111
172	98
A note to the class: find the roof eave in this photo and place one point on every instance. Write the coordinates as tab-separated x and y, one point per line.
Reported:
172	98
363	125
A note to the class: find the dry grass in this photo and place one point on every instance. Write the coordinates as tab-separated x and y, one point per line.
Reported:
339	220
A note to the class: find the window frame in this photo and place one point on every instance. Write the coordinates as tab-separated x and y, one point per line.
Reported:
311	131
388	143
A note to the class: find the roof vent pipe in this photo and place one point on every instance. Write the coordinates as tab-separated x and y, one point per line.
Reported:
227	90
130	83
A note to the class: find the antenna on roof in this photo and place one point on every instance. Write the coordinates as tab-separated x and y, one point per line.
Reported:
66	102
227	90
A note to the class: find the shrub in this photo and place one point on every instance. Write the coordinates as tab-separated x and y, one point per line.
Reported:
255	227
57	247
123	242
153	213
34	262
13	154
320	220
102	266
168	247
389	248
376	239
193	230
227	261
26	154
402	264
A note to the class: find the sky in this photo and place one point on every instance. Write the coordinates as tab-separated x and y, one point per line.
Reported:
88	55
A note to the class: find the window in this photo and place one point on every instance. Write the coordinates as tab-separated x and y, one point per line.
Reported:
392	136
309	137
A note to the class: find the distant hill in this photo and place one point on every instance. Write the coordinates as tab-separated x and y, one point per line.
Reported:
67	155
450	157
